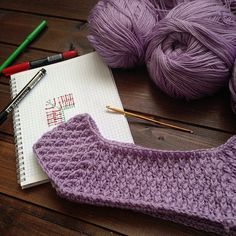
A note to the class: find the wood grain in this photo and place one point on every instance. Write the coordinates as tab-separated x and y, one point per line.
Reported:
75	9
31	218
60	35
14	222
5	98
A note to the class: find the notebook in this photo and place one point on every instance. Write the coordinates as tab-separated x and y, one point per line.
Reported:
80	85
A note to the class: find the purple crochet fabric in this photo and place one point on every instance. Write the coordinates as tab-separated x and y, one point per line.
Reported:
195	188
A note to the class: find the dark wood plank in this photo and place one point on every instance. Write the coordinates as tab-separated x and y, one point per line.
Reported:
76	9
14	222
152	136
60	35
7	126
122	221
6	137
23	214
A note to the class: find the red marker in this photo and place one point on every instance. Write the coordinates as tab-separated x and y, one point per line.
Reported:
37	63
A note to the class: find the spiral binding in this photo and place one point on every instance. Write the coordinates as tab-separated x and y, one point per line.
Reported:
18	137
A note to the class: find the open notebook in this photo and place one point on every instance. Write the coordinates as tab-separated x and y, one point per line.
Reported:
80	85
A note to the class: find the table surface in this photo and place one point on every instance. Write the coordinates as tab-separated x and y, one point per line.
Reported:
38	210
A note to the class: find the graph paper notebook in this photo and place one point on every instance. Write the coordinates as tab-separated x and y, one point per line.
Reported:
80	85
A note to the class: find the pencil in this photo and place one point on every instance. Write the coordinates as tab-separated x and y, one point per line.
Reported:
148	119
22	46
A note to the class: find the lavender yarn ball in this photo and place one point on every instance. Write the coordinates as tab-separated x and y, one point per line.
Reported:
118	30
192	50
232	88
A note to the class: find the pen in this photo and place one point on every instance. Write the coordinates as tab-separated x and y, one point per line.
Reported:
21	47
40	62
28	87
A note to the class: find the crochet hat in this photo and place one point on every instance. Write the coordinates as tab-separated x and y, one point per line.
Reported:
195	188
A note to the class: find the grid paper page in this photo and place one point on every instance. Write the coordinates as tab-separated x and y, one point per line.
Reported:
80	85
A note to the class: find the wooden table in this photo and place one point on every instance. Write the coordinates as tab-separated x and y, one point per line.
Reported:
38	210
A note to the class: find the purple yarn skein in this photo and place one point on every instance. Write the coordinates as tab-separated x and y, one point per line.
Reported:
231	4
118	30
192	50
164	6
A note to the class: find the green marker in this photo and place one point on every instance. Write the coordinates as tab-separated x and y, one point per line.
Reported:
22	46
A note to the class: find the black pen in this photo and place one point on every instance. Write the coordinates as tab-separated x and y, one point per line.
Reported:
4	113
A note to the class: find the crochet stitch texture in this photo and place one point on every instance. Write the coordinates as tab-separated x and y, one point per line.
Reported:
195	188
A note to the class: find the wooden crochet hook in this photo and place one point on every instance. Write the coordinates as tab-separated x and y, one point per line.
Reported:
148	119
